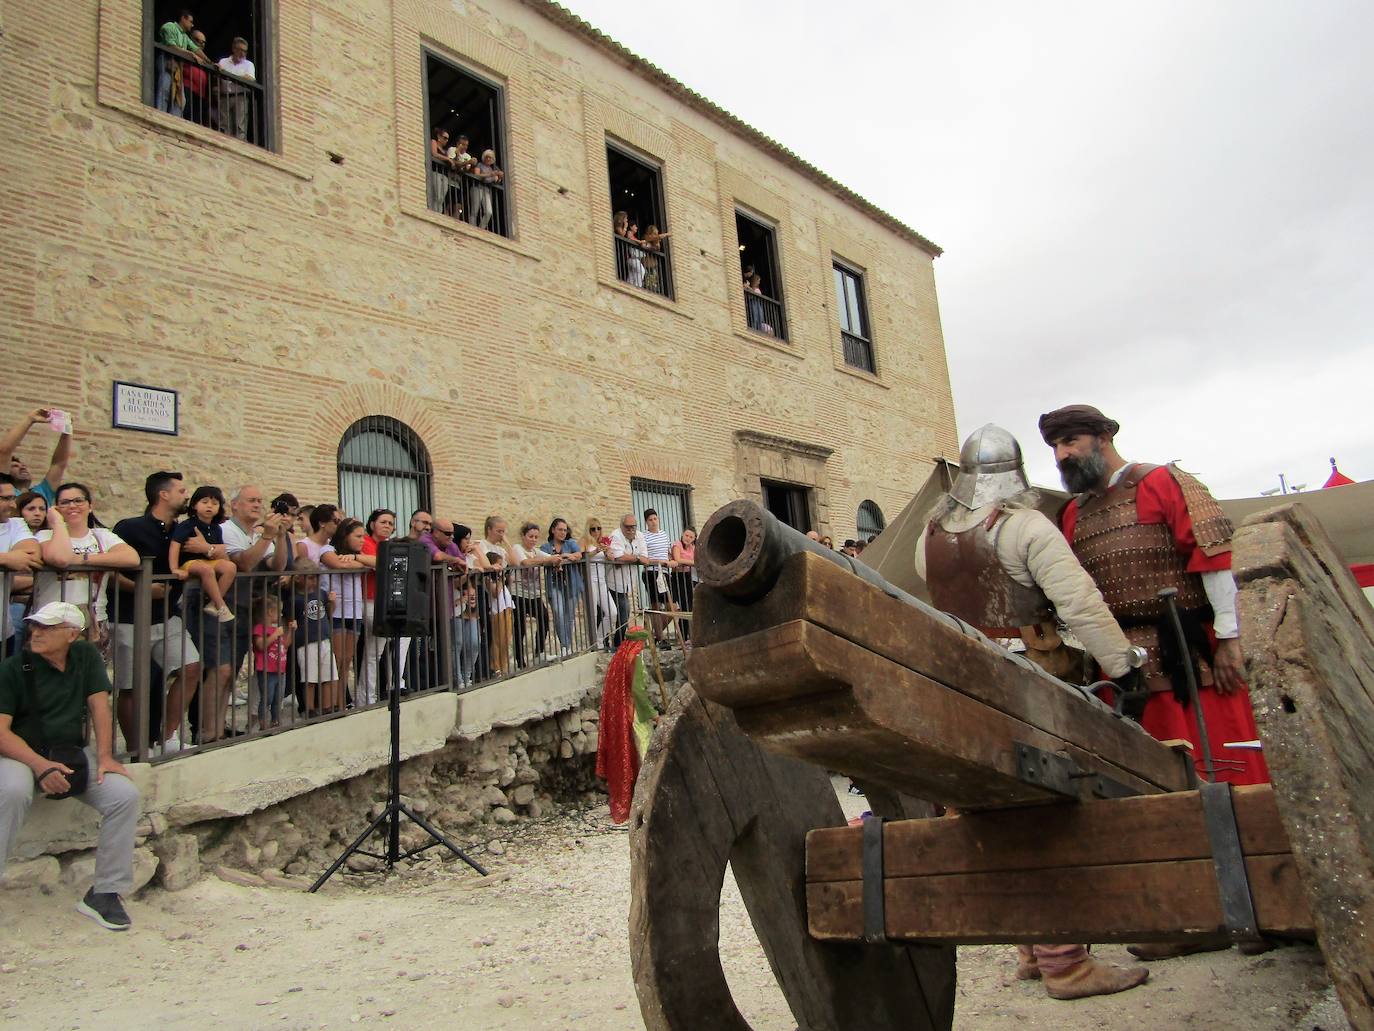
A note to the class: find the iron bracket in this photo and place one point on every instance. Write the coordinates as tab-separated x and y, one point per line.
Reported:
875	908
1063	776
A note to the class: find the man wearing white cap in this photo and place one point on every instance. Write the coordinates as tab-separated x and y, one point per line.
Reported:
47	692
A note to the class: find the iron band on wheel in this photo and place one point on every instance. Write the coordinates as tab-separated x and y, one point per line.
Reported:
875	908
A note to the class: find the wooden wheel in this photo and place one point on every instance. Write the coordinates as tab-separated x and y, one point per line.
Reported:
707	796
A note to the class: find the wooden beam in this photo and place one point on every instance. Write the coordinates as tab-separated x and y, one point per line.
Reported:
801	691
1143	829
1169	901
1132	869
1307	634
811	589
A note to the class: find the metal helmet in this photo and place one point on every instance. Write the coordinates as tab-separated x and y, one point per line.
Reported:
989	468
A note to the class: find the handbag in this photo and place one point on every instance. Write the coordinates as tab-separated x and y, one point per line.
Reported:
71	756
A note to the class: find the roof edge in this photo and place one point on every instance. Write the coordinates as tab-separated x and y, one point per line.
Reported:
560	15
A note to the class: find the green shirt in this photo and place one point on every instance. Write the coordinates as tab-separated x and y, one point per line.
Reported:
61	694
171	35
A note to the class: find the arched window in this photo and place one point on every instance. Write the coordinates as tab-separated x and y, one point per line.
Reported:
383	464
870	520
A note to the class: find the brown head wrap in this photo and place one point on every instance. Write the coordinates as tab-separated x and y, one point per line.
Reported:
1072	420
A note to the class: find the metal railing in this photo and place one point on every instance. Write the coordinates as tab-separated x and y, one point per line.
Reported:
468	197
764	315
209	96
858	352
300	650
648	267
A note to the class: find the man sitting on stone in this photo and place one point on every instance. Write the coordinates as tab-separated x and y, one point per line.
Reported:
47	692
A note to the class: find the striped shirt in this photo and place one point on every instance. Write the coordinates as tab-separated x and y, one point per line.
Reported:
657	543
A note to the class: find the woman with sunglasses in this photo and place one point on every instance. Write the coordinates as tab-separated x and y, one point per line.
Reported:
72	544
565	585
596	550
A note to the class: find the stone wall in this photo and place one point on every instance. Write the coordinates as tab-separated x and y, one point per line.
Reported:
472	789
287	294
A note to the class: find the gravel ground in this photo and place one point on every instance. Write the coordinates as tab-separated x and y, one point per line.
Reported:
541	944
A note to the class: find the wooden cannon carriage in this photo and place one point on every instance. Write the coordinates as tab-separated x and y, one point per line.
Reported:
1073	825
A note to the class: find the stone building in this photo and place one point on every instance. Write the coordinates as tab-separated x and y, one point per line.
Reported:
335	314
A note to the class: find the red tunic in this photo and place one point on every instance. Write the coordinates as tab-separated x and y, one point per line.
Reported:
1159	499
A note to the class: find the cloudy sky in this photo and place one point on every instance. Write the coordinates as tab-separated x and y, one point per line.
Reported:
1161	208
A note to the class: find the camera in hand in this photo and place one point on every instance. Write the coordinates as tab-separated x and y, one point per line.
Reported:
281	508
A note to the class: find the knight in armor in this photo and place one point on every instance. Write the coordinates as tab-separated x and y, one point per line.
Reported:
990	557
1137	529
993	559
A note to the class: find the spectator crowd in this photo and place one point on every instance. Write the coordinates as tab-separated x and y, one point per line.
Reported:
282	594
277	598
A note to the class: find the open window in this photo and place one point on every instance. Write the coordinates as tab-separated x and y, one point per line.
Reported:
758	262
228	91
465	115
643	249
852	306
790	502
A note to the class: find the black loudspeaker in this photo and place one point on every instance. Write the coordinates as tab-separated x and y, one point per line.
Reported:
402	608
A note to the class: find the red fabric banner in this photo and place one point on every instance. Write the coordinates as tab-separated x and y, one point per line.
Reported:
617	757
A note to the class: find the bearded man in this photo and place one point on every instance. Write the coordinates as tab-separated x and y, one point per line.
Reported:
1137	529
993	559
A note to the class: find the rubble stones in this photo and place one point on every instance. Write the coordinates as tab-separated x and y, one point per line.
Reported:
500	778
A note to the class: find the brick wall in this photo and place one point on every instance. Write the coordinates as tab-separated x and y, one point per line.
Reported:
285	295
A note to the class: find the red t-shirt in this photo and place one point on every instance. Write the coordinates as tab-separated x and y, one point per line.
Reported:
1159	499
369	580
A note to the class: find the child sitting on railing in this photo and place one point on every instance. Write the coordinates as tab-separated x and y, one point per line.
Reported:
216	575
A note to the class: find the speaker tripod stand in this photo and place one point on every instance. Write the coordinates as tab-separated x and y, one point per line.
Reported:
395	808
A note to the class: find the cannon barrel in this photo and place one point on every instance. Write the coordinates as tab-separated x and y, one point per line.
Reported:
743	547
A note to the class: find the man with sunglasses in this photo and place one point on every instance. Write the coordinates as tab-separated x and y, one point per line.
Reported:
48	693
627	549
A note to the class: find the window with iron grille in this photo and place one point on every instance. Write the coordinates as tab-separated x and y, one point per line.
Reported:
870	520
459	103
852	306
643	248
384	464
672	502
228	91
762	274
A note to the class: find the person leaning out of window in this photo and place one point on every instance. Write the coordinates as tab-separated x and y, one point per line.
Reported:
49	694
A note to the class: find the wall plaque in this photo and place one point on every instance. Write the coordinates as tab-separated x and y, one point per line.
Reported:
147	409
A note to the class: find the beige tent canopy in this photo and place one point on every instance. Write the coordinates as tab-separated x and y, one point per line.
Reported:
1347	513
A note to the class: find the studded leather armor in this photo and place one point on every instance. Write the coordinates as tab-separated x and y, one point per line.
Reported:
1132	562
965	577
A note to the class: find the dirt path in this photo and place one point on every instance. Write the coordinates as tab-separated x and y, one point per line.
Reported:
543	947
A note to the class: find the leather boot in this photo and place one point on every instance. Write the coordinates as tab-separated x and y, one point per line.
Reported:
1027	967
1092	977
1172	950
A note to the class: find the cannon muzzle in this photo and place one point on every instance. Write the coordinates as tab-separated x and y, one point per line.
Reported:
743	547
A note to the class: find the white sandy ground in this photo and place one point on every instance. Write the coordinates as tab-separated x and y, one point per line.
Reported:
542	946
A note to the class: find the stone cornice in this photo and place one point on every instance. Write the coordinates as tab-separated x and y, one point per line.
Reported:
767	440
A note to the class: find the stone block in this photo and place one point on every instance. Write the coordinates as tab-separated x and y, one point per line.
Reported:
41	874
179	859
523	795
503	815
